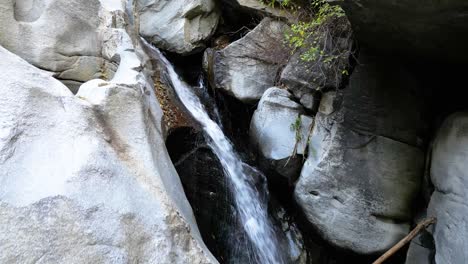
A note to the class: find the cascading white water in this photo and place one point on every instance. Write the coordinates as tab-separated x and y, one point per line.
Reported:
252	210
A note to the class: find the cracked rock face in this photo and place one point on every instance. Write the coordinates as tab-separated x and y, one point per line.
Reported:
363	168
86	178
249	66
180	26
65	37
449	200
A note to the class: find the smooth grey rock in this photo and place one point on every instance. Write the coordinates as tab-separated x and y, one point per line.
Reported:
250	65
421	249
363	170
86	178
66	37
449	175
271	132
308	101
429	29
181	26
418	255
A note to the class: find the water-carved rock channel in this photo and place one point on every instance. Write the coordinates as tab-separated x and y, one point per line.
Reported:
250	195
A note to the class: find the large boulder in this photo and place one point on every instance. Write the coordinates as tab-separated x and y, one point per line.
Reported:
86	178
449	175
179	26
65	37
364	165
432	29
250	65
279	130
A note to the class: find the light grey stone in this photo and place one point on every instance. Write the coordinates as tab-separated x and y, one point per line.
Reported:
65	37
181	26
418	252
308	101
86	178
449	199
273	134
250	65
262	8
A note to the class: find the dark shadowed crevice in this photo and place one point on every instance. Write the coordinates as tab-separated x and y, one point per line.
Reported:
236	22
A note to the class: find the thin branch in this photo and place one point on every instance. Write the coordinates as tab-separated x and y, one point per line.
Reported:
424	224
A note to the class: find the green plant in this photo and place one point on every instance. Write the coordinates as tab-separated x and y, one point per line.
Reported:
296	127
309	34
273	3
322	39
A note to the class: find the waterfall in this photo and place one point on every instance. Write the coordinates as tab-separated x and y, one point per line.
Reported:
251	208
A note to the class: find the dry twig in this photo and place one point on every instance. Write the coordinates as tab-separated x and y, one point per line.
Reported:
405	240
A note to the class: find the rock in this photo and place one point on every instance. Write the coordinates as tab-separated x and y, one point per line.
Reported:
174	113
448	202
257	7
85	178
65	37
298	253
364	168
179	26
273	131
421	249
303	76
431	29
249	66
309	101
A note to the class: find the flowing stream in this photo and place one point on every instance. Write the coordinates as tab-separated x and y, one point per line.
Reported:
252	209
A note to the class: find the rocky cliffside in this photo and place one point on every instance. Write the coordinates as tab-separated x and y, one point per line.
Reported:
359	127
